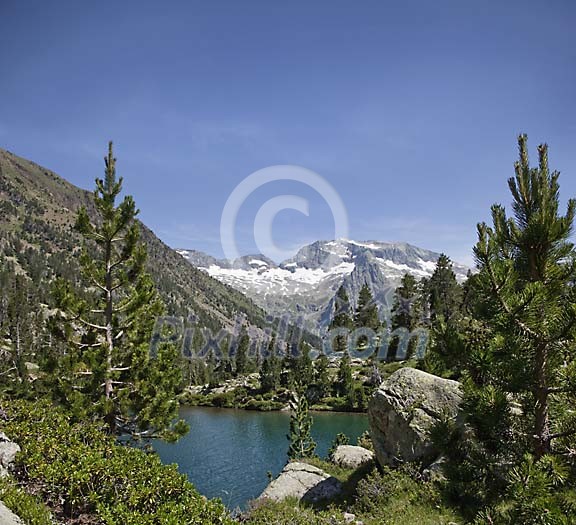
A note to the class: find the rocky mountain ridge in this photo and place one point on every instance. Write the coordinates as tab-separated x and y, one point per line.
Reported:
37	211
305	285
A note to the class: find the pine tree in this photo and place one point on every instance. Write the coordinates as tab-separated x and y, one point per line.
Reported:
210	369
271	369
340	439
20	332
304	370
527	275
301	443
322	375
366	315
446	346
241	358
360	399
342	318
110	372
406	314
445	294
223	369
344	382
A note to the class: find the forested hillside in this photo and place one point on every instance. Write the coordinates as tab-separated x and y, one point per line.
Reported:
37	211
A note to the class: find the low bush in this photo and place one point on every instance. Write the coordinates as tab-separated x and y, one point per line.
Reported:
29	508
90	473
394	497
290	512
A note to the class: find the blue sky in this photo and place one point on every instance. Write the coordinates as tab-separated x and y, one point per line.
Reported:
410	110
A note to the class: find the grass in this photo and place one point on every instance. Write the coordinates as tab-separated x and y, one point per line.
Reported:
388	497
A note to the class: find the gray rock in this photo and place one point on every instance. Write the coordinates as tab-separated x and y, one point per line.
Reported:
7	517
349	456
403	410
304	482
8	451
435	472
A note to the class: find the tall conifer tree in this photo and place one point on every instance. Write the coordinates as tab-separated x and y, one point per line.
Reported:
342	318
111	373
406	313
366	315
527	274
301	443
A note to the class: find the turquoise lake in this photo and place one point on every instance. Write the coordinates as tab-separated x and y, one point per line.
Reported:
228	452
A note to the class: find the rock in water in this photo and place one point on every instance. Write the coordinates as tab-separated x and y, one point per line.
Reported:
302	481
349	456
404	409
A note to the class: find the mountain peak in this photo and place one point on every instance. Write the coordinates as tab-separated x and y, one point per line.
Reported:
306	283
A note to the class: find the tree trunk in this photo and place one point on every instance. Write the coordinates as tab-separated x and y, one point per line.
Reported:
108	386
542	421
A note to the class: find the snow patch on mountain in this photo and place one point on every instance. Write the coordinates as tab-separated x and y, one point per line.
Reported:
305	285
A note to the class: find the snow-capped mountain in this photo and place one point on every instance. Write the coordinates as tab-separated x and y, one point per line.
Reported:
305	285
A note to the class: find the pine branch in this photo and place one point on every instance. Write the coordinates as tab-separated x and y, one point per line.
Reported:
560	390
98	285
91	325
559	435
88	345
505	305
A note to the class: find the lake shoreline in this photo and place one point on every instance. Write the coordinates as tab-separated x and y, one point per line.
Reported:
229	451
285	409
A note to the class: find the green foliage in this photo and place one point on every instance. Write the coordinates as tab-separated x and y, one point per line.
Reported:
342	318
366	314
406	314
27	507
301	443
322	378
512	461
444	300
271	369
290	512
537	494
444	291
21	331
90	473
340	439
241	358
526	290
394	497
344	380
303	368
110	373
365	441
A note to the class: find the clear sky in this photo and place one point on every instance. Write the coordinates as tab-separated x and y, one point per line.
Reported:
409	109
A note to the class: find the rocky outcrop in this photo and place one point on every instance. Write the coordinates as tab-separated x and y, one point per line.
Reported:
8	451
435	471
349	456
248	381
304	482
7	517
404	409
